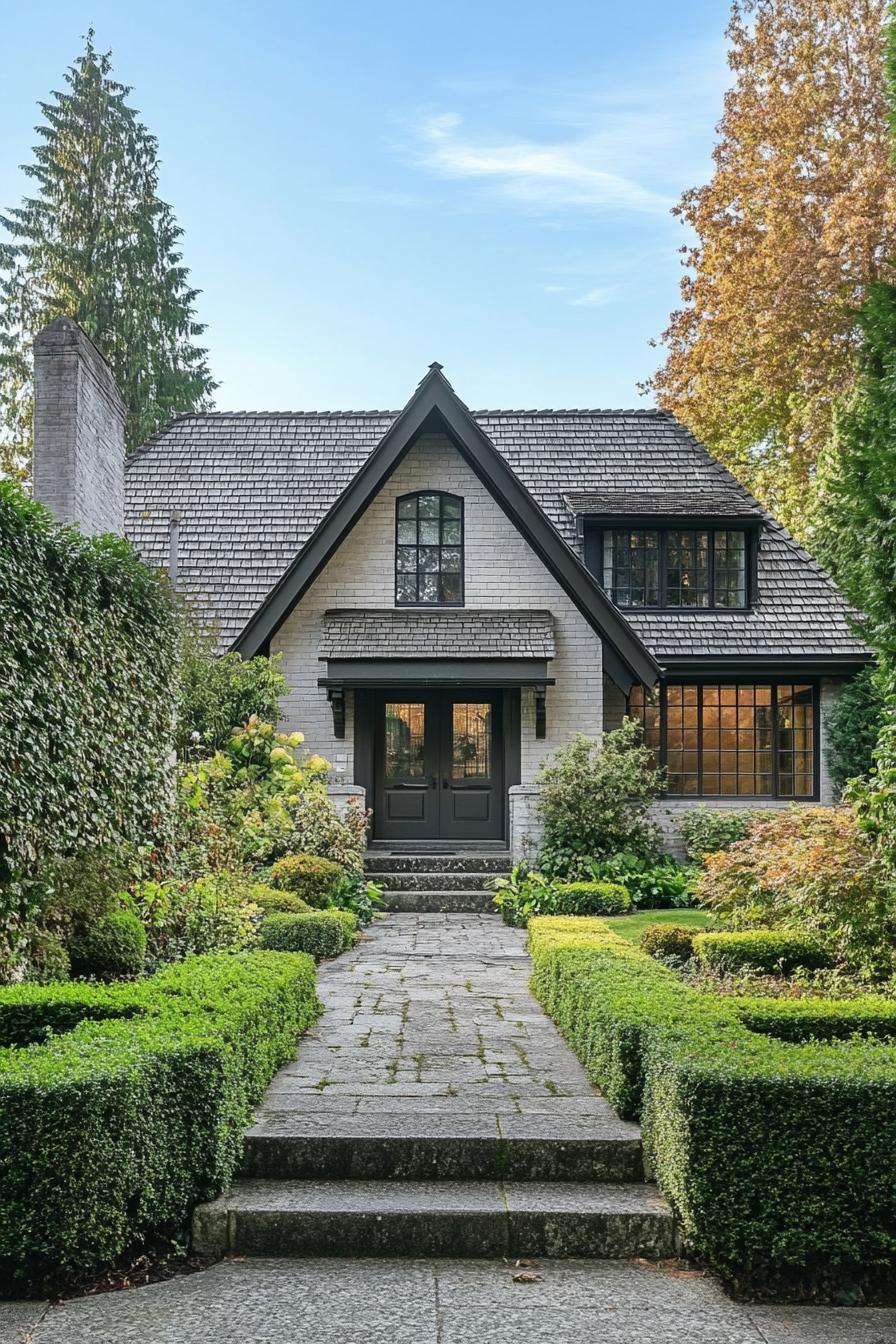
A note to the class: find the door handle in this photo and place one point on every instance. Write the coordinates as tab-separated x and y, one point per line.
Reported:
402	785
433	782
445	782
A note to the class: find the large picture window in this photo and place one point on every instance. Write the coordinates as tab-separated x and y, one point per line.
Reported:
429	550
732	740
675	567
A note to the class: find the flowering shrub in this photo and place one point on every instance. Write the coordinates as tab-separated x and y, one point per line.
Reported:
707	830
811	869
216	913
594	797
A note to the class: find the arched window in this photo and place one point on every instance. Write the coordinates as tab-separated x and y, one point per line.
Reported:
429	550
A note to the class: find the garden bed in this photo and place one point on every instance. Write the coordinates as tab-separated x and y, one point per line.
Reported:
770	1125
122	1106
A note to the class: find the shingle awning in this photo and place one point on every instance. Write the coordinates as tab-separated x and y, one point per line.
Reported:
442	647
443	632
685	503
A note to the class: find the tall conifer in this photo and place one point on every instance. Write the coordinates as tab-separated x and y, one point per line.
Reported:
96	243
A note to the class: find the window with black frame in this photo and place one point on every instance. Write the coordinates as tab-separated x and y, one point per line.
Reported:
429	550
732	740
675	568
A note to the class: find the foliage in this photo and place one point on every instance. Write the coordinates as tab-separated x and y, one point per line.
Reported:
314	879
852	725
631	927
88	640
520	895
812	870
220	692
772	950
796	222
709	830
874	799
594	798
672	942
776	1157
98	245
216	913
271	901
653	884
114	948
361	898
322	933
588	898
46	958
859	478
111	1132
319	829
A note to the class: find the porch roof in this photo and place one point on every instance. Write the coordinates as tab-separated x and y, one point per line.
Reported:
444	633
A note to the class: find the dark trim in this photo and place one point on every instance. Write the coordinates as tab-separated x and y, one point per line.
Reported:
709	667
541	718
721	798
731	522
440	494
593	546
435	406
336	697
437	671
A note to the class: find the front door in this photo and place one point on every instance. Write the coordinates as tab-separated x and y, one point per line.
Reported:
439	767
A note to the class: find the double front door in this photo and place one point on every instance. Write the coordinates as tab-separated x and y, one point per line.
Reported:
439	767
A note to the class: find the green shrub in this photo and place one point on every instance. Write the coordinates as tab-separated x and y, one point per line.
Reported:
322	934
349	922
112	1132
709	830
653	884
114	949
591	898
272	901
88	670
674	941
593	798
218	692
811	870
769	950
319	828
852	725
358	896
776	1156
307	876
520	895
213	914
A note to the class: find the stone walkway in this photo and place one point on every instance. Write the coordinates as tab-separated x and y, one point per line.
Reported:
434	1088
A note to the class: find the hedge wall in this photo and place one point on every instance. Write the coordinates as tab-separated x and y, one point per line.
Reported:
776	1150
88	640
111	1132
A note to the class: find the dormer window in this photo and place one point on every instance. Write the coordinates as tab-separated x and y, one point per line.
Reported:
676	568
429	550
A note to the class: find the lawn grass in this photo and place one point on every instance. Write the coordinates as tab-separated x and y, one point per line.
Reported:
631	927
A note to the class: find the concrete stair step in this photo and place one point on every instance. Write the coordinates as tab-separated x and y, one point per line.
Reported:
439	902
472	1147
435	881
432	1218
435	863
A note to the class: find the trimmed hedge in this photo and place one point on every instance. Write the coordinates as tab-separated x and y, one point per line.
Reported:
278	902
114	948
779	1158
307	876
669	940
323	933
112	1132
760	950
592	898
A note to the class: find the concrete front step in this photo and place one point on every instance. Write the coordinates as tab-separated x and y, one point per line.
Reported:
434	881
439	902
375	863
452	1147
400	1218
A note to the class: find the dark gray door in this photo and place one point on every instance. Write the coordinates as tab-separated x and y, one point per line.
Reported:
439	767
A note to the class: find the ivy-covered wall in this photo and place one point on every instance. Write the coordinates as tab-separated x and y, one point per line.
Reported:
88	667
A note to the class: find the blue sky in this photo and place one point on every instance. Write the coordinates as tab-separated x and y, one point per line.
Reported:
368	185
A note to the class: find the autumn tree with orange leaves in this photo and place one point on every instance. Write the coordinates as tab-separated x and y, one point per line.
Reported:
798	219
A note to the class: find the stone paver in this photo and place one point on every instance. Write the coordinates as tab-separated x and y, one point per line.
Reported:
432	1015
439	1302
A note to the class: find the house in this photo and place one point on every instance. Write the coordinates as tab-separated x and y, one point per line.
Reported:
456	594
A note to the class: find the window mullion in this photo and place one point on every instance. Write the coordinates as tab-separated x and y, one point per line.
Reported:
775	786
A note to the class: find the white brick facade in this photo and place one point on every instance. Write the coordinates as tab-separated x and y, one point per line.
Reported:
501	570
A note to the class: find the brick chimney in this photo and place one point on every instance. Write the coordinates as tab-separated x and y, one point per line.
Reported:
78	431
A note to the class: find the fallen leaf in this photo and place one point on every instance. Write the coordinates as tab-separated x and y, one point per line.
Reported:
526	1276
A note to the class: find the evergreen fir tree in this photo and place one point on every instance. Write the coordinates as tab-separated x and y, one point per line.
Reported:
97	244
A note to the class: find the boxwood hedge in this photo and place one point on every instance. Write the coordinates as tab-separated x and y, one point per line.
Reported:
770	1125
760	950
322	933
123	1106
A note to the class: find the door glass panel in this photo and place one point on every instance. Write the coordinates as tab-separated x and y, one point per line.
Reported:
471	741
405	727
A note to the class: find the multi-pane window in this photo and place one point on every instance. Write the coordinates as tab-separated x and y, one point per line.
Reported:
429	550
675	567
752	741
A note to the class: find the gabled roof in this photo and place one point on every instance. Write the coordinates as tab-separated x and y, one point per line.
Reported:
251	487
435	407
713	501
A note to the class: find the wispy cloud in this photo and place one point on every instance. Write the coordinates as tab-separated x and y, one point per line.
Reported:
575	173
595	298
